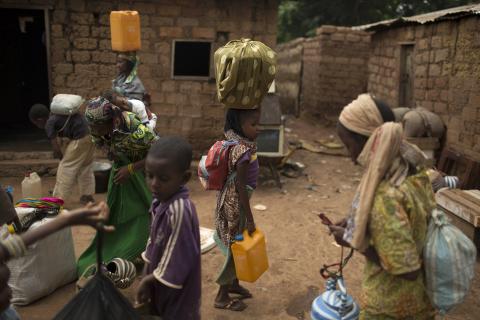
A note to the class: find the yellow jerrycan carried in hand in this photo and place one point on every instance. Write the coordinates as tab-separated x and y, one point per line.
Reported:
250	256
125	31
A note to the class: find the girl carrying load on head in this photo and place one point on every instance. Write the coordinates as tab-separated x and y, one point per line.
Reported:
233	214
127	82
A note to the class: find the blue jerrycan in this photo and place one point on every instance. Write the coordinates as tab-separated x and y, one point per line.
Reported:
335	304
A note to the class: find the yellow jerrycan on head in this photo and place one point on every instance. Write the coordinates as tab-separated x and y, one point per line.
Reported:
250	256
125	31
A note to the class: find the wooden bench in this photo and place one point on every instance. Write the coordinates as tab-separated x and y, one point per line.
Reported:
463	208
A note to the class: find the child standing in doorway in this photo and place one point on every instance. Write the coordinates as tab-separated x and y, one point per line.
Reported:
233	213
172	279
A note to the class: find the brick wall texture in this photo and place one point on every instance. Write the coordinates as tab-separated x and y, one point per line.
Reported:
332	68
447	75
288	80
82	61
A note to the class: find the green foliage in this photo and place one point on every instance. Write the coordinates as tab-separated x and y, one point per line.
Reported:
299	18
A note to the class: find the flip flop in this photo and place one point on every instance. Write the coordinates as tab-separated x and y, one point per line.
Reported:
233	305
242	292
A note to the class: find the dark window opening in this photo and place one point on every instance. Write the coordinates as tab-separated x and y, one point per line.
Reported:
191	59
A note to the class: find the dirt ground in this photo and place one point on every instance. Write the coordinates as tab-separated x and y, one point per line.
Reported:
298	244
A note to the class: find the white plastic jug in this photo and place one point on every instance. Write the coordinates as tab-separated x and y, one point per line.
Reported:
32	186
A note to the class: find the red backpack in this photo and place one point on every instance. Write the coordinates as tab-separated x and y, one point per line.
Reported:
213	168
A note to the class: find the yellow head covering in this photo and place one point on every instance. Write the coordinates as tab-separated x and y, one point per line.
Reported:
361	115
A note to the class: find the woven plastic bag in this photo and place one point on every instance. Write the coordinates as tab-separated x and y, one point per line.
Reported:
244	71
45	267
66	104
449	258
420	122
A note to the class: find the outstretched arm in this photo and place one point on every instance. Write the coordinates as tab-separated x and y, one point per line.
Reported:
92	215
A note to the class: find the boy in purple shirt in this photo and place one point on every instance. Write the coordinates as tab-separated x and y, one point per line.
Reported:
172	279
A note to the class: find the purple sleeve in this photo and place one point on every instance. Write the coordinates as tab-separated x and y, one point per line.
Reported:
244	158
182	250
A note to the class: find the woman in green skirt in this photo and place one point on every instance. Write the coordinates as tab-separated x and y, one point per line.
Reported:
127	141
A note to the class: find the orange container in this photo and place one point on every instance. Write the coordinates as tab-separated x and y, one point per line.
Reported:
125	30
250	256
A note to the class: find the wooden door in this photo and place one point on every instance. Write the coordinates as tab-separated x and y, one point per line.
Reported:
406	76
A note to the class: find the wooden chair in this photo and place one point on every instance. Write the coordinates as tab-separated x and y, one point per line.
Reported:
451	161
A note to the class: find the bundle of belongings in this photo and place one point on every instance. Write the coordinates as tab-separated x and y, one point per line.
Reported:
244	71
449	257
419	122
425	129
49	263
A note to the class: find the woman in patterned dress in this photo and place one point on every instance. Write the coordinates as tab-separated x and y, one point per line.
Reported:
389	215
127	141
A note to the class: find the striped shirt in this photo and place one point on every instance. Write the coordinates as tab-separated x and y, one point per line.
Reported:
173	257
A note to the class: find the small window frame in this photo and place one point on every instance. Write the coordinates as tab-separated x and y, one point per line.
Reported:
199	78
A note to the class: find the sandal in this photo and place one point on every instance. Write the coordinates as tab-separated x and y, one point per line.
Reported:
241	292
233	305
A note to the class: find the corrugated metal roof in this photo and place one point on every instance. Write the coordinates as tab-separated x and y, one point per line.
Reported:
452	13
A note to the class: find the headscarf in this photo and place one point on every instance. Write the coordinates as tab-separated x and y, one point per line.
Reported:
386	156
133	58
362	115
99	111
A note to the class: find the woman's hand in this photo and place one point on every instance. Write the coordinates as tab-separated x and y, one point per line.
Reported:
338	233
144	290
122	175
342	223
92	215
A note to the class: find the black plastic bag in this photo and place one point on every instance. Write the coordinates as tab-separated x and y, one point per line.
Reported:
99	299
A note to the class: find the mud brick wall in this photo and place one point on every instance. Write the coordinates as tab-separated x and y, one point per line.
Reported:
82	61
288	80
447	75
334	69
